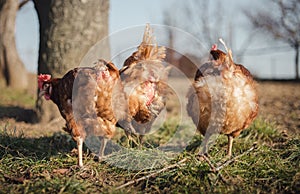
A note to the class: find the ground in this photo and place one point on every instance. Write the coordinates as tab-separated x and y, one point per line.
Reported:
280	103
38	158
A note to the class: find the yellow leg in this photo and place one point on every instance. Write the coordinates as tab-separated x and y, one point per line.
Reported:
102	147
141	141
229	148
79	147
205	146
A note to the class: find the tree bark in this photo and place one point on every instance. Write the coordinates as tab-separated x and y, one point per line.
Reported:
68	29
13	72
297	62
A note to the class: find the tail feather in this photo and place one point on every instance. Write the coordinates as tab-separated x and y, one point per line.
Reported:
148	49
229	52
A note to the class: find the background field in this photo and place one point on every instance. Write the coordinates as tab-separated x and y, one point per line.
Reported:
41	159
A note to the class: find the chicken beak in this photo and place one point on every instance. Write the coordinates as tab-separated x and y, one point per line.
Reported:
42	93
123	69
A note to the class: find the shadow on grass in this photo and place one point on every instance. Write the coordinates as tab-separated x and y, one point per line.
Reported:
15	144
18	113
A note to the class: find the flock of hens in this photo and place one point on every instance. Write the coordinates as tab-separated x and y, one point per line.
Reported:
95	100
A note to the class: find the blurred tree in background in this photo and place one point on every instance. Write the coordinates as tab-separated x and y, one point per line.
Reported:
68	29
207	21
282	22
12	69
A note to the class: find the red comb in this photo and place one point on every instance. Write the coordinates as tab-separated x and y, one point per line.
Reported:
214	47
43	78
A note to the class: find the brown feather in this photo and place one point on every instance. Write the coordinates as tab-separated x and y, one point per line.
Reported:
87	98
144	78
223	98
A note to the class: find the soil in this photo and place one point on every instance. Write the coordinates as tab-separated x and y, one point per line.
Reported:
280	103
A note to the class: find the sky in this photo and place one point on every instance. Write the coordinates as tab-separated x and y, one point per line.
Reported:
128	18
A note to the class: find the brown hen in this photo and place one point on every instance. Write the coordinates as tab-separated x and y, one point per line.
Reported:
84	98
144	78
223	98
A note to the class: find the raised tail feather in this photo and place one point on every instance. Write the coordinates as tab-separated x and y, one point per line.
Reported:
229	53
147	50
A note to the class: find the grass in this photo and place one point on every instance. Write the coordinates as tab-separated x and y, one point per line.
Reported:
17	104
12	97
47	165
31	163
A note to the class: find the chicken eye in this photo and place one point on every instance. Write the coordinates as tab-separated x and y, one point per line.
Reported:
45	86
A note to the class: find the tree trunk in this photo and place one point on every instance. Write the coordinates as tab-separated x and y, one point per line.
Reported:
68	29
13	72
297	62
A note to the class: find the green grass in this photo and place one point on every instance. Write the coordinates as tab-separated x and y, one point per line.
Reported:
11	97
17	104
47	165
